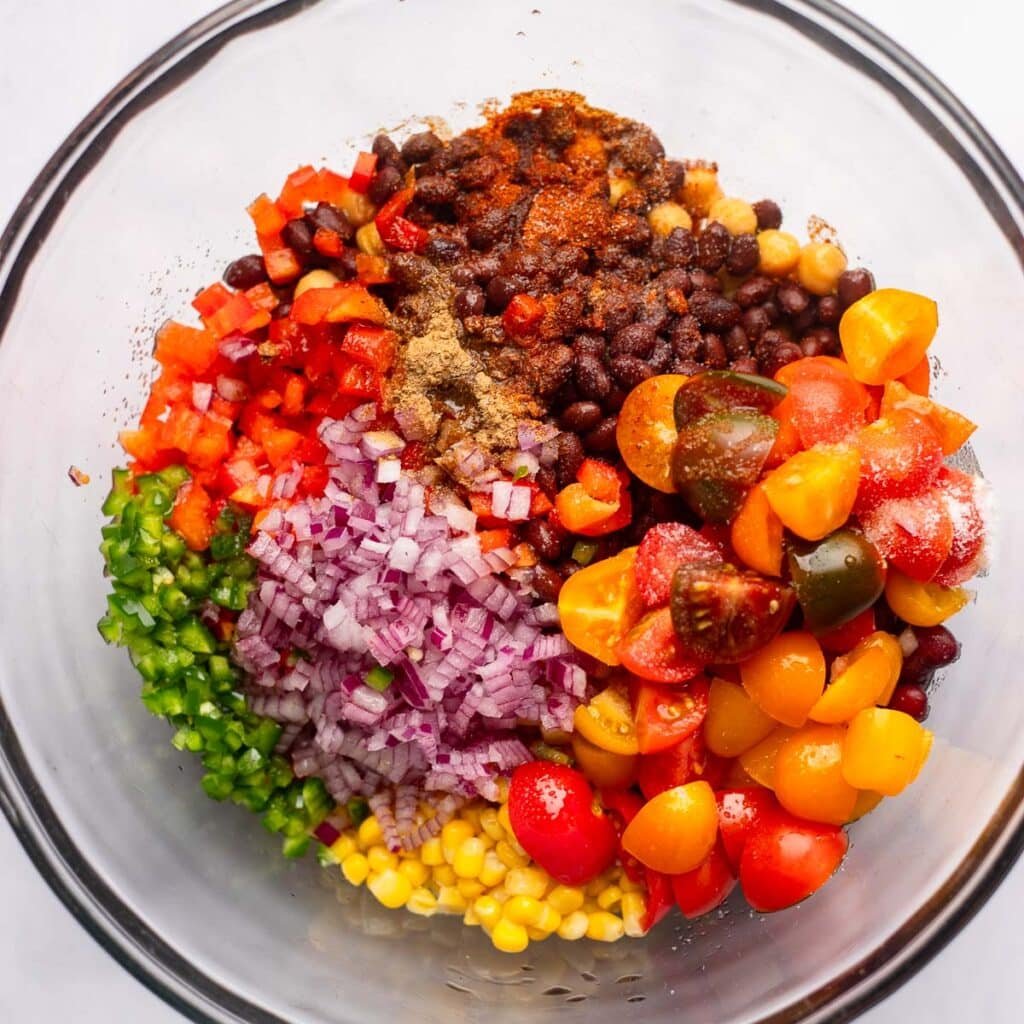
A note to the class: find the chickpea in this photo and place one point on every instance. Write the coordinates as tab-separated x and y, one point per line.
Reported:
819	268
618	187
666	217
700	190
369	241
780	252
735	214
314	279
356	207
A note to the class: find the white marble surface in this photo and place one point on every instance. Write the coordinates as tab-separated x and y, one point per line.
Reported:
57	58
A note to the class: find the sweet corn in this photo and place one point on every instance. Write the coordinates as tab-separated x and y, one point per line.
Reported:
523	909
469	858
423	902
488	911
566	899
664	218
469	917
355	868
509	857
524	881
431	853
609	898
453	835
491	825
416	871
598	885
444	875
369	833
342	847
380	858
574	926
493	872
451	901
509	937
536	934
472	815
633	910
548	919
390	888
314	279
604	927
470	888
369	241
503	791
735	214
626	884
504	821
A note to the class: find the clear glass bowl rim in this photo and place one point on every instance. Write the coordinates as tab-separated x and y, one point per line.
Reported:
80	888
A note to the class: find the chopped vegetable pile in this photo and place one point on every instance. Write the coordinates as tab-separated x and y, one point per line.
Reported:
549	537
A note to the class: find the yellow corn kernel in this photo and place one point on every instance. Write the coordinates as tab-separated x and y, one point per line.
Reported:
737	215
500	895
472	815
626	884
423	902
502	791
566	899
416	871
536	934
633	910
493	872
609	898
779	252
469	917
451	901
390	888
453	835
369	241
470	888
488	911
574	926
701	189
444	875
355	868
343	846
369	833
504	820
314	279
509	937
664	218
548	920
599	884
605	927
618	187
469	858
524	881
381	858
490	824
591	907
523	909
509	857
431	853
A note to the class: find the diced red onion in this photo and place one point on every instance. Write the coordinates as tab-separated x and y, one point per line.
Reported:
231	389
202	393
519	502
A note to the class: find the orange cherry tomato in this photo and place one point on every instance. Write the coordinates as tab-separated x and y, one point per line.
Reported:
919	378
809	778
922	604
887	333
759	761
666	715
863	678
786	677
734	723
884	751
603	768
953	429
813	491
646	430
866	803
676	831
756	534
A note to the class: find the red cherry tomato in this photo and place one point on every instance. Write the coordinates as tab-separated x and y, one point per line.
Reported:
622	806
701	890
844	638
959	492
554	818
659	897
687	761
787	860
900	456
914	534
652	650
664	548
825	403
666	715
741	812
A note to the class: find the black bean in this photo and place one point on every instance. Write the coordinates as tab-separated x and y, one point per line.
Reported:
685	338
680	248
736	343
630	230
614	400
748	364
557	126
436	189
639	148
827	340
715	355
345	265
478	173
661	356
784	354
483	267
630	370
591	377
675	174
688	367
520	261
570	458
470	301
755	291
602	437
854	284
792	299
769	214
298	236
462	275
675	279
464	147
653	312
330	218
388	154
568	260
771	310
443	250
744	255
810	345
633	340
419	148
754	322
805	320
701	280
713	247
409	270
384	184
581	416
246	271
712	310
501	288
544	539
830	309
488	228
589	344
547	582
547	480
551	368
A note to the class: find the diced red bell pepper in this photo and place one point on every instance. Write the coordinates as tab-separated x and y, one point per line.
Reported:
233	315
191	516
212	443
600	480
262	296
143	444
362	172
393	209
210	299
354	302
328	243
300	186
313	305
522	316
280	444
181	428
294	398
480	505
373	346
331	187
282	265
491	539
372	269
194	349
540	503
359	381
268	218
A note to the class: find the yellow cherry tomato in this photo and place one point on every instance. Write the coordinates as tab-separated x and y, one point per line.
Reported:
866	803
607	721
602	767
759	761
886	333
813	492
599	605
756	534
862	678
733	723
922	604
809	778
646	430
786	676
676	830
884	750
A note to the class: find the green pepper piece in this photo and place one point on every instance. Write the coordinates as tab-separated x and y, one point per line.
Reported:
724	390
835	578
545	752
379	678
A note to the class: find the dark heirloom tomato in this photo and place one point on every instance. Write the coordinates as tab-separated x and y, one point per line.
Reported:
722	615
717	459
724	390
835	578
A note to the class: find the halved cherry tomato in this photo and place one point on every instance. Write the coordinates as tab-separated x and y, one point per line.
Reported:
914	534
813	491
652	650
918	379
699	891
922	604
599	503
684	762
952	429
603	768
825	402
841	639
809	778
960	495
757	534
645	430
667	715
622	806
788	859
734	723
724	390
659	899
860	679
884	751
786	677
607	721
741	813
676	830
887	333
901	455
556	821
759	761
664	548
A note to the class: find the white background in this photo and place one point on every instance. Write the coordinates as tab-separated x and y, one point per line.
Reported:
57	59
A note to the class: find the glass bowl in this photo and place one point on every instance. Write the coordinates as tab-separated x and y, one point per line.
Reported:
145	203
